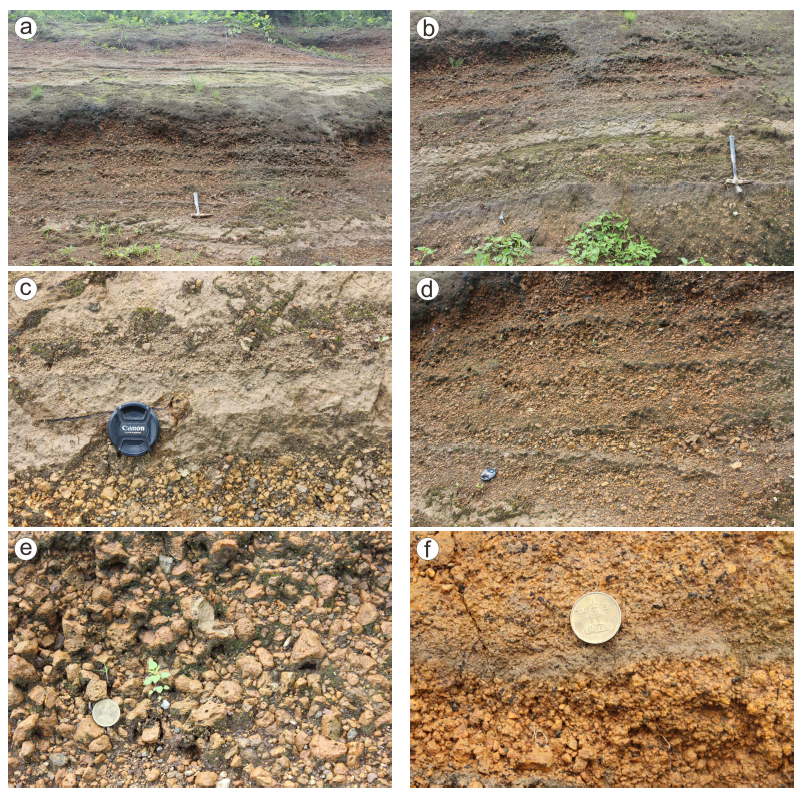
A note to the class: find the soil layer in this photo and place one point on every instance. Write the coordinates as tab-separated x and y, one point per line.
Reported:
556	117
696	688
272	389
603	399
273	650
112	132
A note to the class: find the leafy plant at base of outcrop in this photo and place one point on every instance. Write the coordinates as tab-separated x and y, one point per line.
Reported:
155	675
197	83
606	240
498	249
455	63
137	250
36	93
427	253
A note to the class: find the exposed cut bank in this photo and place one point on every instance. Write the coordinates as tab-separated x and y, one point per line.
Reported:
273	392
603	399
112	132
556	117
696	689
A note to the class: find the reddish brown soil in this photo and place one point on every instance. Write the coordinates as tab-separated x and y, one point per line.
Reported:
696	688
659	399
289	151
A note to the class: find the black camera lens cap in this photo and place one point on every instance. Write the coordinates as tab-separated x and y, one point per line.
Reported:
133	429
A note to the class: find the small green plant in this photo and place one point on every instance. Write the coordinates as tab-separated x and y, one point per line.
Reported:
190	259
504	251
695	262
216	95
36	93
105	669
630	17
428	252
155	675
606	240
455	63
135	250
198	84
253	261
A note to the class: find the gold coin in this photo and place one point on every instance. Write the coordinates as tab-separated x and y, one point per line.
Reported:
596	618
106	713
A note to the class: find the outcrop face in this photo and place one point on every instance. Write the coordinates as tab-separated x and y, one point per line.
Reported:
696	689
553	118
267	385
603	399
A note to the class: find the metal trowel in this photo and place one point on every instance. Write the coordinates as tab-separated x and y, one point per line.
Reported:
198	214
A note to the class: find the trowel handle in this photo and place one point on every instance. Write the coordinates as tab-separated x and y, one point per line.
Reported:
198	210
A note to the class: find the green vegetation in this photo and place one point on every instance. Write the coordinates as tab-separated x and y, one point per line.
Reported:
52	351
428	251
695	262
189	260
455	63
311	18
236	22
134	250
145	322
155	675
500	250
606	240
36	93
630	18
253	261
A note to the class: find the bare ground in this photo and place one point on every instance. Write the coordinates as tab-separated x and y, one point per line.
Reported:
288	150
555	117
659	399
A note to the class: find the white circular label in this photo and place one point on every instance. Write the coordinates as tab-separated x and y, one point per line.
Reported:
25	549
25	27
427	289
427	549
427	27
25	289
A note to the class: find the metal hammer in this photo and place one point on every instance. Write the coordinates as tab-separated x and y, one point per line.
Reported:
735	180
199	215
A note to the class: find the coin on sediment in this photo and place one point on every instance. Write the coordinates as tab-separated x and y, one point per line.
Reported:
596	618
106	713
